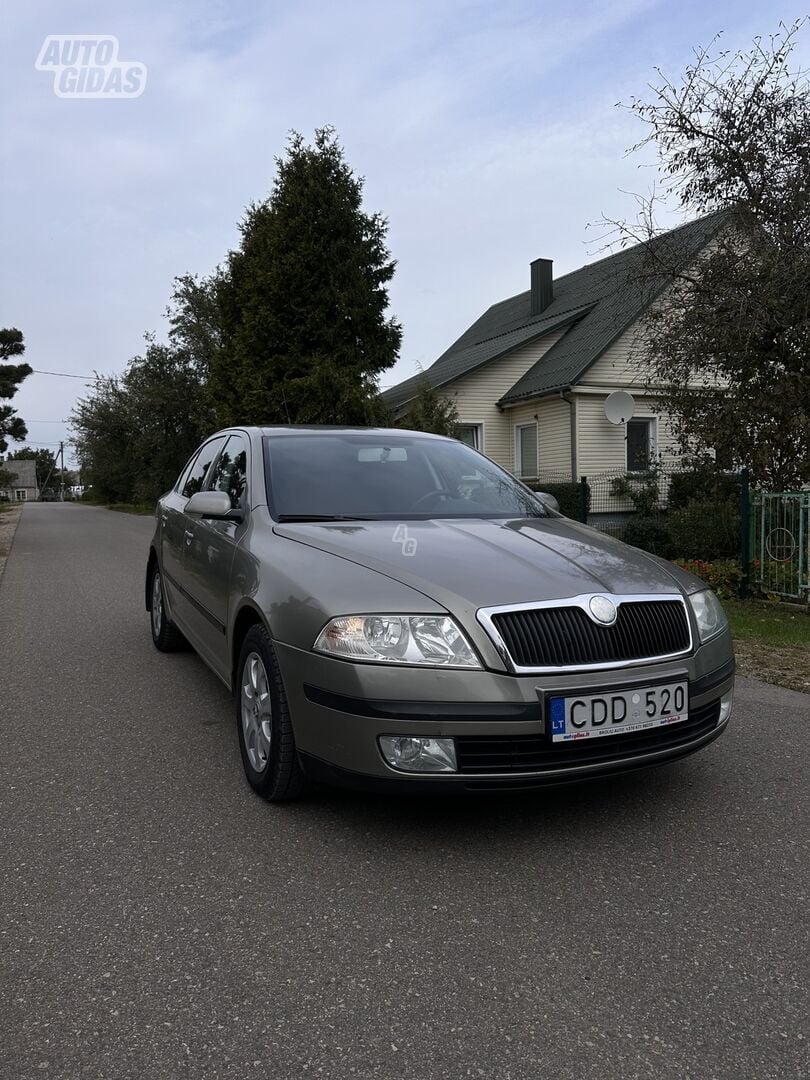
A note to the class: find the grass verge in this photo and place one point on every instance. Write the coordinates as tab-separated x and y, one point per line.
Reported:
146	509
772	641
9	520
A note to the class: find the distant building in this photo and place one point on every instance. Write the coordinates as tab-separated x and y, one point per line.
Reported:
23	487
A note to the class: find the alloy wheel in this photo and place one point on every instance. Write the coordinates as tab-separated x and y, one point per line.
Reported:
257	711
157	604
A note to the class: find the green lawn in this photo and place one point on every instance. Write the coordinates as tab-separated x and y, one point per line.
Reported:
778	624
772	641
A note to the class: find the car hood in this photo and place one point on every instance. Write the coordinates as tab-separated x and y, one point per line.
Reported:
466	564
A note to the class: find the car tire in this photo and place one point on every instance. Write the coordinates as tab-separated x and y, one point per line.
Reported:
165	635
263	723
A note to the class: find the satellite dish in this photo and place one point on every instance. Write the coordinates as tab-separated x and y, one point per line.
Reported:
619	407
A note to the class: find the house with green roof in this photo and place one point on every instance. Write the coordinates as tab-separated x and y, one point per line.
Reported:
531	376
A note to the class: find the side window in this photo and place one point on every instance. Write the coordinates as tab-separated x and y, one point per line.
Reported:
230	472
184	475
193	480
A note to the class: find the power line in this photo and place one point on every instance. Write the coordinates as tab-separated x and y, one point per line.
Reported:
67	375
39	442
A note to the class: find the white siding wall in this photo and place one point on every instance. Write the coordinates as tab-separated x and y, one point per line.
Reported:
554	434
476	394
601	445
618	365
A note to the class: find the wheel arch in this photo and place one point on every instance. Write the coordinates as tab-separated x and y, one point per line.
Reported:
247	616
151	563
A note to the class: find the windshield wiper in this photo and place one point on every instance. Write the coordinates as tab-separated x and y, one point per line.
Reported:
321	517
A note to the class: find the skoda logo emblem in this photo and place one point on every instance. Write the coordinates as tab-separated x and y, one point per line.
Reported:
602	610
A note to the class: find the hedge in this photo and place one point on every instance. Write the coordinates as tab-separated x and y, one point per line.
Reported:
567	494
650	534
706	529
702	483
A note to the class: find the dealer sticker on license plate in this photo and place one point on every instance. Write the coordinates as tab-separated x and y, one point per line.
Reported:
591	716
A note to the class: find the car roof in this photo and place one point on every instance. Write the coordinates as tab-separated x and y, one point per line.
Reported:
329	429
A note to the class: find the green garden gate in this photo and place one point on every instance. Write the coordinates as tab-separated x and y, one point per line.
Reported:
780	542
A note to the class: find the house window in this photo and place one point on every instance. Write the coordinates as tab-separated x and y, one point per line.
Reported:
526	449
639	445
472	435
20	494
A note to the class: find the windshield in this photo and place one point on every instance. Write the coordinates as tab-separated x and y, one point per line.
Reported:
338	476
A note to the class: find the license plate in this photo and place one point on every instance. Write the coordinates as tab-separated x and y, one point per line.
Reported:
592	716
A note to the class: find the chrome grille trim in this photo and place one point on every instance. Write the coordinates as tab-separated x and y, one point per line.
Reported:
485	618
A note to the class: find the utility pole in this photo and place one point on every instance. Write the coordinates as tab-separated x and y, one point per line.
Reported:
62	477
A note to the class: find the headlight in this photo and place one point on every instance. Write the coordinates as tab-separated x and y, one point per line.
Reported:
711	618
432	640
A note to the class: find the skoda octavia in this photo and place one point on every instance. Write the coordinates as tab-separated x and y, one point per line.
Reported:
393	610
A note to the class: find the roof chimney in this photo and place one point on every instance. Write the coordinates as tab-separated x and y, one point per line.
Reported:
542	285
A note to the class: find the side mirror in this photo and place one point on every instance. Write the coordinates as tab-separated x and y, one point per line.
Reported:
212	504
548	500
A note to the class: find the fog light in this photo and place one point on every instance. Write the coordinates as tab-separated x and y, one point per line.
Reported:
417	754
726	701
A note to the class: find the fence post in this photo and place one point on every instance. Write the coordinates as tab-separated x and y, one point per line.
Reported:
745	535
583	499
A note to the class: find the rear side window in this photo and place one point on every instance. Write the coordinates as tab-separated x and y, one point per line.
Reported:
230	472
184	475
193	480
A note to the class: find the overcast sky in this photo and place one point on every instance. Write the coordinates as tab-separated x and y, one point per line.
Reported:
487	133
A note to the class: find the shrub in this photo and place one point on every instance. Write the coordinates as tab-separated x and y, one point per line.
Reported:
706	529
650	534
723	575
702	483
642	490
567	494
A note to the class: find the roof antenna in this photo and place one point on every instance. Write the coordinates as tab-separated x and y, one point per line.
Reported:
284	399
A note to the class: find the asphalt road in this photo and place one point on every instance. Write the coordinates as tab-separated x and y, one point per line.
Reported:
159	920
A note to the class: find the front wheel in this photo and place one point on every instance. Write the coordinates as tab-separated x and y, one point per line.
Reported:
266	740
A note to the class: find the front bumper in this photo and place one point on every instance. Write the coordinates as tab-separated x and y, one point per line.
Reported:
339	710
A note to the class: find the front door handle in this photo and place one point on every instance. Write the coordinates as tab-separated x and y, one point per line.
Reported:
187	535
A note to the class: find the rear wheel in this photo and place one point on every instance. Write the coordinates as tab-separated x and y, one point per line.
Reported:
165	635
266	740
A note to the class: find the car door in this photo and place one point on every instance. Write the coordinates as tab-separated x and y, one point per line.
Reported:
210	553
176	526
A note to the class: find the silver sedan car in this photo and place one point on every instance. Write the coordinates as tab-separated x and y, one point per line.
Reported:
394	611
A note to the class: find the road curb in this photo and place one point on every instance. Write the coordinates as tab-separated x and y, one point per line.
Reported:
8	529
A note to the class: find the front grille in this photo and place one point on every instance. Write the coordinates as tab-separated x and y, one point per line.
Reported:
537	753
559	637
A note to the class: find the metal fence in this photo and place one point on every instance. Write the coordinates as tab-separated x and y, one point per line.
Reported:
703	514
609	500
780	543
